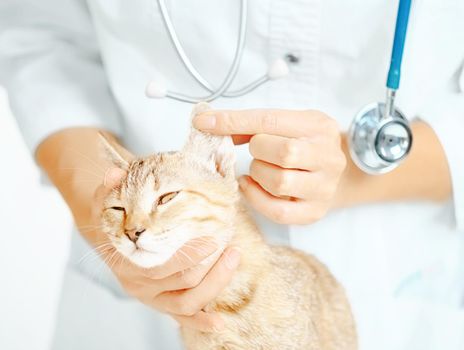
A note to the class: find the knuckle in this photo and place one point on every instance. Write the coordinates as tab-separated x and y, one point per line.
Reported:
320	212
257	145
315	114
328	191
191	279
311	217
282	182
341	163
281	215
186	307
328	124
337	162
224	123
133	289
332	124
268	122
289	153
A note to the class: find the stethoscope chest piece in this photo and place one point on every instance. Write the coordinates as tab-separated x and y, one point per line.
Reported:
377	143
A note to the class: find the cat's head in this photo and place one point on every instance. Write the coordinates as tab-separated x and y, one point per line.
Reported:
170	198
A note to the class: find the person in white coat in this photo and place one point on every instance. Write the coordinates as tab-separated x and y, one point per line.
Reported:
395	241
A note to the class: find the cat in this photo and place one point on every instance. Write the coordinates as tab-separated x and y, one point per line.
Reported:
279	298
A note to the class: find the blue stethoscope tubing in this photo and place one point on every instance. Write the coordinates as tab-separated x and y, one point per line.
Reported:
402	20
380	136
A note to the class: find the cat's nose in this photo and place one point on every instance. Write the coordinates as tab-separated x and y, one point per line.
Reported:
134	234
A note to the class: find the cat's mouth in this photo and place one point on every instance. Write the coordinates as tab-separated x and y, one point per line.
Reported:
154	250
156	241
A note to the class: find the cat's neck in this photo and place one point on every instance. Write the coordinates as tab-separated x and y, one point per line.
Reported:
254	262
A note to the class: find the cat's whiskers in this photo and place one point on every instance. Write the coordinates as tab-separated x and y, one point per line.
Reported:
115	259
186	256
202	251
106	261
97	253
123	258
96	248
100	259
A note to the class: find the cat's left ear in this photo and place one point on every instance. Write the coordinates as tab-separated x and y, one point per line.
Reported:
118	155
217	150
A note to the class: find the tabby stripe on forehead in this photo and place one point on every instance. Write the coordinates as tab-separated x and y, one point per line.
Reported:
220	204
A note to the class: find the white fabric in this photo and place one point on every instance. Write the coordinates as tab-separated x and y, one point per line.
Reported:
401	263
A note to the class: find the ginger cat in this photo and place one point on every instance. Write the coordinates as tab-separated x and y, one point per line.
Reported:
279	298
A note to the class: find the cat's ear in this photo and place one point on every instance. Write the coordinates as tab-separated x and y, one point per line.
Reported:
217	150
119	156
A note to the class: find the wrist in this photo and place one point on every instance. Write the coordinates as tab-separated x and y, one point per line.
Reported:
353	184
424	175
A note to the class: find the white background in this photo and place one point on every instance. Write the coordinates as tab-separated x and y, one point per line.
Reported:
35	226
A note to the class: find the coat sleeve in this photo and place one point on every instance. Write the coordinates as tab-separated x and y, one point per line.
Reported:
449	127
52	70
441	33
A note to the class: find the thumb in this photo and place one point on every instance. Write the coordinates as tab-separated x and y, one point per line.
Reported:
112	179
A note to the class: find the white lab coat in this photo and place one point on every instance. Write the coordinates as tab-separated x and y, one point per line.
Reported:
402	264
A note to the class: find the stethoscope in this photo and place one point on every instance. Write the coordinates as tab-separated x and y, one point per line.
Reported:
379	137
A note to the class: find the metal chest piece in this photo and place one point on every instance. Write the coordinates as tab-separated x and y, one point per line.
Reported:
378	144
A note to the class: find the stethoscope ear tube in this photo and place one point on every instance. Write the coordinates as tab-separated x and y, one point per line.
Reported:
155	89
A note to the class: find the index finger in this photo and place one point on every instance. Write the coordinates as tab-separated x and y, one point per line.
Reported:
290	123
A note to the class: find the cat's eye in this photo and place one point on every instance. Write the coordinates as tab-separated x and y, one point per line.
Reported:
166	197
118	208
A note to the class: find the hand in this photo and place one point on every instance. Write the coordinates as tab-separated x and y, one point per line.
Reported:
298	160
181	287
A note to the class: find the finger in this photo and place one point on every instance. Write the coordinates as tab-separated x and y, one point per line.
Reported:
191	277
290	182
191	301
281	211
289	153
201	321
289	123
144	287
190	254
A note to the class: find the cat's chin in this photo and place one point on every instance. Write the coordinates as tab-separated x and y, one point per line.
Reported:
146	259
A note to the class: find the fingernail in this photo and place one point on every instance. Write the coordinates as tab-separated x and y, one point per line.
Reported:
243	182
204	122
233	258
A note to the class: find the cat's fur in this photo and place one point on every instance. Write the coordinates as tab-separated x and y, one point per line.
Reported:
279	298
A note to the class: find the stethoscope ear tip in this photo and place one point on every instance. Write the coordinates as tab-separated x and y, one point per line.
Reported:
155	90
278	69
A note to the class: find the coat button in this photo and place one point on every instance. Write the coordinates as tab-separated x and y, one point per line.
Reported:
461	78
291	58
